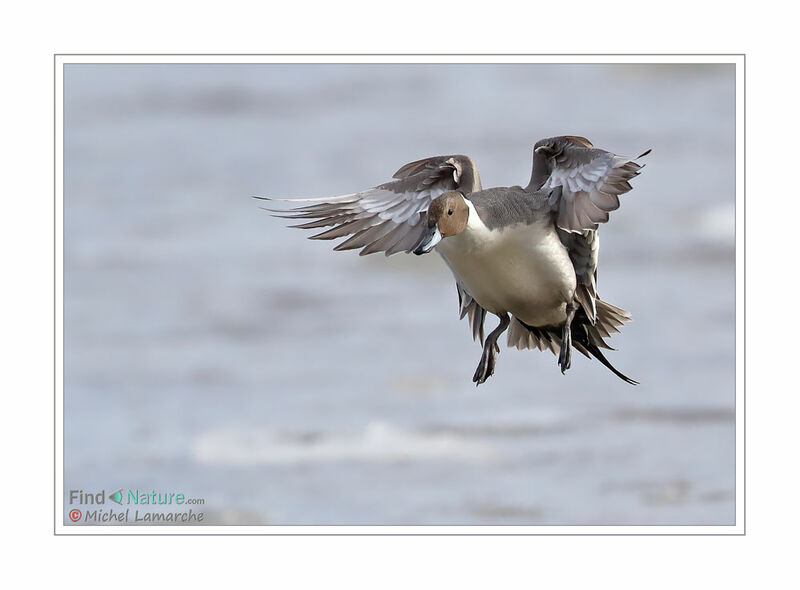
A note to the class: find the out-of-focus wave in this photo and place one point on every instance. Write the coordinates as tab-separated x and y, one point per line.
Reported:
378	442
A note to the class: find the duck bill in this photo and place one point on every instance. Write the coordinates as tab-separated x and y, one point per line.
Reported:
432	237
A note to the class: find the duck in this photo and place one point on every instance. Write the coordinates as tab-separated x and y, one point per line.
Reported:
527	255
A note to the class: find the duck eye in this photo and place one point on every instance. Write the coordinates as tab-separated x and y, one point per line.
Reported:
449	211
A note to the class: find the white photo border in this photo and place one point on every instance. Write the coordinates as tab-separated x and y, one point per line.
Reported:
60	60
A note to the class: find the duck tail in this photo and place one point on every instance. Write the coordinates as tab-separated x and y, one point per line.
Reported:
598	354
588	337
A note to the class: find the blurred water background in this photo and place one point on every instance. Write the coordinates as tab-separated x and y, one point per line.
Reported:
210	350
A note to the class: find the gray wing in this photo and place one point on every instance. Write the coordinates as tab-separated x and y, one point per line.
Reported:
583	249
467	306
585	182
387	218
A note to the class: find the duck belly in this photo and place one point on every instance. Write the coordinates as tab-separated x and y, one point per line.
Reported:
523	270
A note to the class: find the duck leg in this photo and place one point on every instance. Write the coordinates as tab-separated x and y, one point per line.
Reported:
565	355
490	351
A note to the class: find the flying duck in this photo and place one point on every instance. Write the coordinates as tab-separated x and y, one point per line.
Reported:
527	255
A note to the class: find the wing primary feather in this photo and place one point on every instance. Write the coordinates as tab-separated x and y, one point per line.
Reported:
387	217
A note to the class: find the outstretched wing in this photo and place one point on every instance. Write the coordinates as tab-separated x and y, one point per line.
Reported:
387	218
585	182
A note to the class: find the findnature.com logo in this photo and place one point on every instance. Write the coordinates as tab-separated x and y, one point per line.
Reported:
139	507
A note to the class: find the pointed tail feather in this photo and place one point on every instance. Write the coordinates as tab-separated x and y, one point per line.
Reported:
596	353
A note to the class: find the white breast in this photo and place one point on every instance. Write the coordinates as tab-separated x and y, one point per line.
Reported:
521	269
